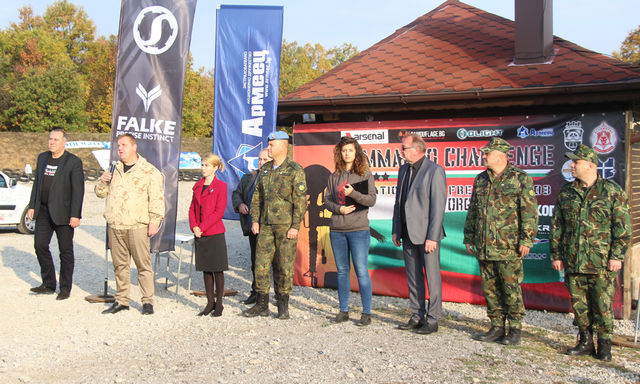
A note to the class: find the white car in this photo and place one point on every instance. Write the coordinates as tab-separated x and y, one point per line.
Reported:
14	203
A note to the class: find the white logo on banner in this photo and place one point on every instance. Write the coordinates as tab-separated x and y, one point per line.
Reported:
566	171
463	133
157	42
573	135
148	97
370	136
145	128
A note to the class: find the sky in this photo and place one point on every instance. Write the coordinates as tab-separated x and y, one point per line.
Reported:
599	25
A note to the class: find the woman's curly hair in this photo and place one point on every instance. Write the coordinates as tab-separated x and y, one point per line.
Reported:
361	162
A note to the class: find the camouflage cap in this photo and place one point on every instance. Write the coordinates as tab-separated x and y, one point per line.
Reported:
278	135
584	153
497	144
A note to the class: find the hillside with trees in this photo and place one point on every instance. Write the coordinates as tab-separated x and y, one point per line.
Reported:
55	71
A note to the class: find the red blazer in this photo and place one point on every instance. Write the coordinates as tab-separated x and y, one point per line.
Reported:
207	208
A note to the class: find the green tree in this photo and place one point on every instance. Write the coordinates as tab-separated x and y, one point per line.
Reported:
301	64
340	54
197	106
100	67
630	48
35	63
27	20
42	55
72	26
48	98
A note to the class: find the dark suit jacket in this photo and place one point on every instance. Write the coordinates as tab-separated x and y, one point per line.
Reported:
425	205
67	188
241	195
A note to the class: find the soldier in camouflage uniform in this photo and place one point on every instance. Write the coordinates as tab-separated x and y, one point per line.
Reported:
589	239
501	226
279	200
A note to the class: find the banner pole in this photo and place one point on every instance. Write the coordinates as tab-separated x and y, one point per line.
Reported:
105	297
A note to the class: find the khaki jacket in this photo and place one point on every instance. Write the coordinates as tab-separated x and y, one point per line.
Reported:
135	198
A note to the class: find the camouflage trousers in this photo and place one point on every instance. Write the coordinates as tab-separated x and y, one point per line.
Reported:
273	242
592	301
501	288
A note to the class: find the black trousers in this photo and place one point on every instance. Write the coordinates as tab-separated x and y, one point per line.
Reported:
253	240
43	233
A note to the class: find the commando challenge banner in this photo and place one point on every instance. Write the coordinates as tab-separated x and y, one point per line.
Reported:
539	147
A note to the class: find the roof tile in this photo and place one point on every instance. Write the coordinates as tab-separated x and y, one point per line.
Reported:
458	48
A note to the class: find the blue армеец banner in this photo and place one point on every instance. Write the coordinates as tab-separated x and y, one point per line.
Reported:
247	66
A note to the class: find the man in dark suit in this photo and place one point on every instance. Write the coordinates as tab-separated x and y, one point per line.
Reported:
56	205
418	216
241	200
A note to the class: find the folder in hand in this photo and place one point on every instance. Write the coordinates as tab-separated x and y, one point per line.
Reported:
362	187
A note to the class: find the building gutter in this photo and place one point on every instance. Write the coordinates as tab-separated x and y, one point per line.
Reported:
620	91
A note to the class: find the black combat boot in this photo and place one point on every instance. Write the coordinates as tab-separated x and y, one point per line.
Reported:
494	334
261	308
283	307
513	338
585	344
604	349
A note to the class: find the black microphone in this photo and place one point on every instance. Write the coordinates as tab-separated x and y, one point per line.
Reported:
112	168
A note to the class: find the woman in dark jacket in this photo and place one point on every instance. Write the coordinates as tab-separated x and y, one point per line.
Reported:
205	220
350	192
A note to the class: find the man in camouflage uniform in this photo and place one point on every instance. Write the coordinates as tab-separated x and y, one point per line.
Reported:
501	226
589	239
279	200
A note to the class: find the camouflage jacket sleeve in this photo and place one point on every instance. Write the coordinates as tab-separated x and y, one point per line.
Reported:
101	189
620	226
299	198
528	212
472	216
156	198
557	230
256	206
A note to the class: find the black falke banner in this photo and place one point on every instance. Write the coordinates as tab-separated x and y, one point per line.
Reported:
153	46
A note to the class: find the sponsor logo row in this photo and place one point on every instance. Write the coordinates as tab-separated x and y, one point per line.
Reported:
603	139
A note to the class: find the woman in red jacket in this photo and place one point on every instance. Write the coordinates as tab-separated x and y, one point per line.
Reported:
205	220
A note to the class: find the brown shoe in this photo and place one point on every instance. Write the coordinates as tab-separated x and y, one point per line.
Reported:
147	309
365	320
41	289
115	308
427	329
411	324
341	317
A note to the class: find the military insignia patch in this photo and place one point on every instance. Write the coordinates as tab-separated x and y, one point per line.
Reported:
531	192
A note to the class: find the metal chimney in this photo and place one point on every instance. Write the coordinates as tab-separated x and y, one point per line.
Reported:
534	31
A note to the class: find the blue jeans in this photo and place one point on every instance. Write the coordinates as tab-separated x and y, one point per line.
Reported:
356	243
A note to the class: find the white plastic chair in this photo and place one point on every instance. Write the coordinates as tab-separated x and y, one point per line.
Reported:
181	240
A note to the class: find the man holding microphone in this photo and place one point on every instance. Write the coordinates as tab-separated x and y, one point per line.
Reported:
134	211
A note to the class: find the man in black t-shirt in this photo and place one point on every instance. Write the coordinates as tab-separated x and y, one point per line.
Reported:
56	205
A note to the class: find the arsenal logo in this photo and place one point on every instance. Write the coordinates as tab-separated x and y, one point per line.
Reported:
604	138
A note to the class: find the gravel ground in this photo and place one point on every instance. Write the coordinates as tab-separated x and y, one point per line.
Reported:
43	340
